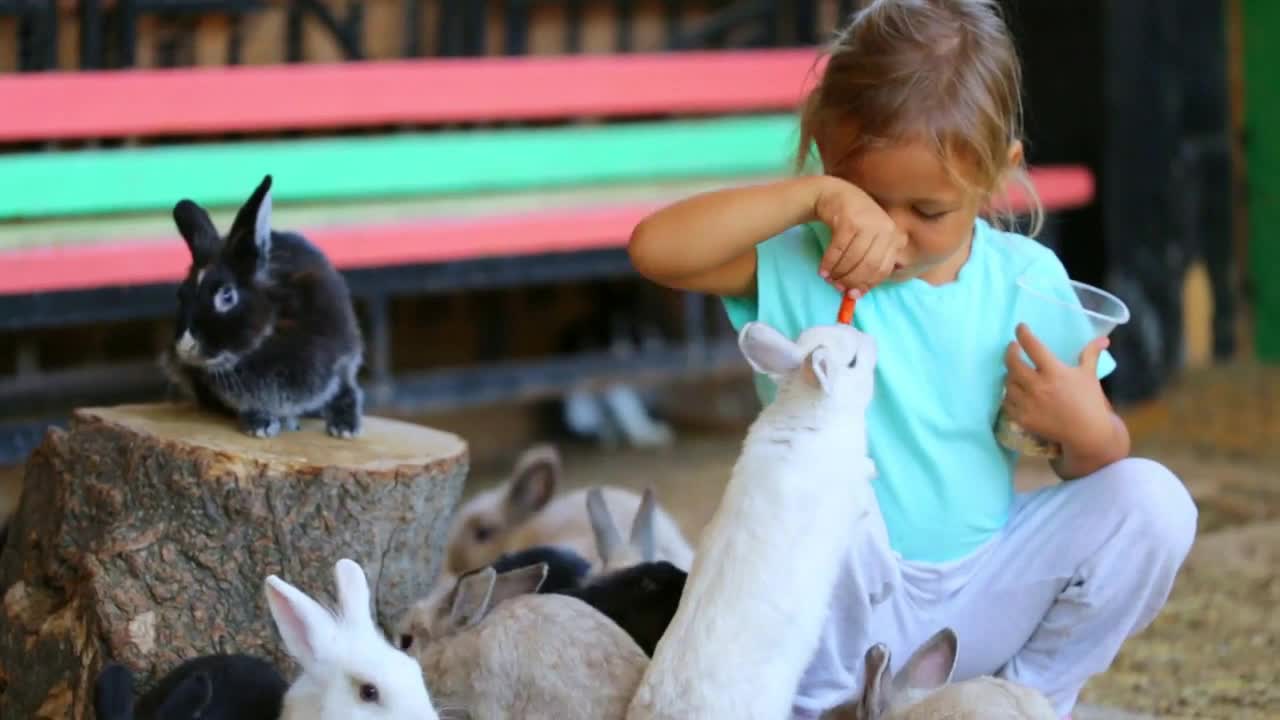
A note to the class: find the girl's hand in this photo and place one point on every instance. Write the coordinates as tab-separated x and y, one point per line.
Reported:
1056	401
864	241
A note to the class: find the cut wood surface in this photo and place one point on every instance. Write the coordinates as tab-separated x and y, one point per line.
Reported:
145	532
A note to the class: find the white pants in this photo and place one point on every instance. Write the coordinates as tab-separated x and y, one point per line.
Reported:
1079	568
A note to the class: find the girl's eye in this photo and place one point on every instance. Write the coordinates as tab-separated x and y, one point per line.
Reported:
225	298
931	216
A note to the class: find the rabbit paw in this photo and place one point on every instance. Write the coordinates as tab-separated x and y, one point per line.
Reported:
291	424
343	427
259	424
342	414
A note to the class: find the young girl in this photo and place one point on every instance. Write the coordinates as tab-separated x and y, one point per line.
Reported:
916	121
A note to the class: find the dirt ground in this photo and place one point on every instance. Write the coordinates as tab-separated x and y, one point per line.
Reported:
1214	652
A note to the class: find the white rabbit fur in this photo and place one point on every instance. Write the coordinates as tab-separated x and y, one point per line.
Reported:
508	653
349	669
922	690
756	597
524	512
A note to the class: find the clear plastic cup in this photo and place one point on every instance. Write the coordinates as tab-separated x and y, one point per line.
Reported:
1065	318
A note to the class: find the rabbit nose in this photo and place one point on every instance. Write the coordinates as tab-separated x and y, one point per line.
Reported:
187	346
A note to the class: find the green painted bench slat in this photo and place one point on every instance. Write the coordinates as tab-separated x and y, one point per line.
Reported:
96	182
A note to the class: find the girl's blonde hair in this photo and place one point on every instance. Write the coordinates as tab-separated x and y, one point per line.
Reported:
944	69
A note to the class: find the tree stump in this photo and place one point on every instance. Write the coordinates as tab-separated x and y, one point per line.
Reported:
145	533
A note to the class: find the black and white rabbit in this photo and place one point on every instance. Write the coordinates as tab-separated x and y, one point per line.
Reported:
210	687
265	328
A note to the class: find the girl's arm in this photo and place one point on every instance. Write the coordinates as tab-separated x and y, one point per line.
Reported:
706	243
1088	452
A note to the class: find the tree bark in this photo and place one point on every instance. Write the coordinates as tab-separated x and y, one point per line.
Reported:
145	533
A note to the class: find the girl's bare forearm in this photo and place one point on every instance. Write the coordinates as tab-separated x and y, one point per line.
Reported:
707	242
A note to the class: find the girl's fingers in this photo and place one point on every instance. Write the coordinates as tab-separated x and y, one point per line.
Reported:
841	238
1014	402
865	272
1019	371
887	258
856	251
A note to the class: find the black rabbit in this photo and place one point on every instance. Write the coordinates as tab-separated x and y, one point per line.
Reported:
641	599
211	687
566	569
265	328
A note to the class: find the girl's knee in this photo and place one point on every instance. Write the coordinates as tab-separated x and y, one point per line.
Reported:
1148	493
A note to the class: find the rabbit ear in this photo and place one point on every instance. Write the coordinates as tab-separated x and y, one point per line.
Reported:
189	699
471	598
197	229
875	690
113	693
533	483
250	235
305	626
768	351
817	368
521	581
353	593
931	665
608	540
642	540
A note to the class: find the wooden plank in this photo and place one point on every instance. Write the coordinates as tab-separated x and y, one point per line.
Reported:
215	100
348	247
403	242
40	185
442	165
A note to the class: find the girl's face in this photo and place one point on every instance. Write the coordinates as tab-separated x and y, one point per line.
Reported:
925	201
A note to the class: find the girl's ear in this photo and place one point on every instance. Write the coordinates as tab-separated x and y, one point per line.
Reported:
1015	154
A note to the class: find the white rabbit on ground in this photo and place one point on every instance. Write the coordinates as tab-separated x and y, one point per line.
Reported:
349	669
755	599
922	690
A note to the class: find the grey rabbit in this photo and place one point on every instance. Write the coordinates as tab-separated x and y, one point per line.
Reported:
210	687
265	328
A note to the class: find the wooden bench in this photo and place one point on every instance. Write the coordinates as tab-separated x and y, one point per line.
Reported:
448	174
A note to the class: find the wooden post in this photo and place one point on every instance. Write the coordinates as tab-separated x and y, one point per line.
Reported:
145	532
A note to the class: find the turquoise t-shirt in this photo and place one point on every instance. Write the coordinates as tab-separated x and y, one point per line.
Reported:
944	484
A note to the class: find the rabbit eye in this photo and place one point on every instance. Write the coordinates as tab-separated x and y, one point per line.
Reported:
225	298
482	533
369	693
406	641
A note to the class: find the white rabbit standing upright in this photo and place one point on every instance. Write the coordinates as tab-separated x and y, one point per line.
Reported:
751	614
349	670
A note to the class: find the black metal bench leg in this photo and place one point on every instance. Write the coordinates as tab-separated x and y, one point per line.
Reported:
695	326
378	349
